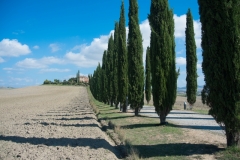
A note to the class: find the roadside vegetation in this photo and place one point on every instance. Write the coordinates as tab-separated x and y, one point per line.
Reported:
144	138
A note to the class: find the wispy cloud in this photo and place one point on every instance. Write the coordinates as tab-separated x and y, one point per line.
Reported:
54	70
54	47
13	48
88	55
36	47
18	32
181	61
39	63
1	60
16	79
180	26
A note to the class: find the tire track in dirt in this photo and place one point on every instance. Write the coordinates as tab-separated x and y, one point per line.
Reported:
65	126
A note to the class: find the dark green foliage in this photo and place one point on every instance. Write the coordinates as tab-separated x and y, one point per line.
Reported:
122	61
148	89
78	76
104	84
135	62
191	57
162	53
115	66
221	63
47	82
109	71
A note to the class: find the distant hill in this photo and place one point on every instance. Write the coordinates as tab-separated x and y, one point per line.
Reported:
182	90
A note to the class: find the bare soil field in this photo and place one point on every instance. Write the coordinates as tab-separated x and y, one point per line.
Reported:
51	122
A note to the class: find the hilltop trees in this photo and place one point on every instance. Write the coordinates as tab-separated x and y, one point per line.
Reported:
191	58
122	62
135	62
221	63
148	90
162	53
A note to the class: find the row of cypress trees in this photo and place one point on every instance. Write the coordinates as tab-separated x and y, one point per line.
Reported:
122	73
221	63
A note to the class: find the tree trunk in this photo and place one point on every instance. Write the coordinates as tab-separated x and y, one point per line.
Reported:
124	108
111	103
162	117
136	111
233	138
116	105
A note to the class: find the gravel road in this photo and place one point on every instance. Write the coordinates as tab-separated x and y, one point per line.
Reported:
51	122
187	119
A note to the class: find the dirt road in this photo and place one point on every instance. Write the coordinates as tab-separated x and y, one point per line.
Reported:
51	122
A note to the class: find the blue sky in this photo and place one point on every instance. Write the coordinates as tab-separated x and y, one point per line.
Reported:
45	39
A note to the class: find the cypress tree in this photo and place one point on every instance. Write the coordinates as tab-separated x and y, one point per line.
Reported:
191	58
148	90
122	61
135	62
162	53
221	63
77	77
104	79
115	66
110	53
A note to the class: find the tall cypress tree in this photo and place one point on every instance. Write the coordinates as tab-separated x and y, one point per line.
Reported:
122	61
148	90
221	63
104	84
109	71
191	58
162	51
135	62
115	66
78	76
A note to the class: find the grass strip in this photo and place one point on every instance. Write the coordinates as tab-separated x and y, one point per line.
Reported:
145	139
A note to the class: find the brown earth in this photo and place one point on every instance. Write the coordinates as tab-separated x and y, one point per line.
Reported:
51	122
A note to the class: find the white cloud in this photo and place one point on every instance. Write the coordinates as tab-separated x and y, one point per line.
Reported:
199	66
1	60
13	48
30	63
13	69
14	79
180	26
88	55
145	30
180	52
54	70
36	47
39	63
54	47
181	61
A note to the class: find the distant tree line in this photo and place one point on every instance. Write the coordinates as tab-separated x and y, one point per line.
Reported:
71	81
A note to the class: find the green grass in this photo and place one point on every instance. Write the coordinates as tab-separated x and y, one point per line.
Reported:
201	111
231	153
145	138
